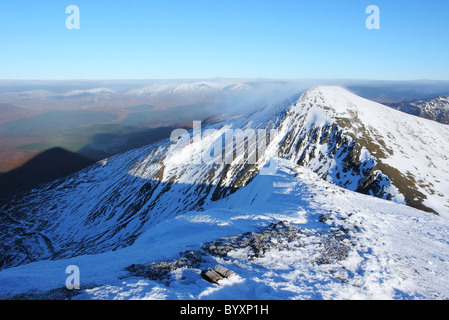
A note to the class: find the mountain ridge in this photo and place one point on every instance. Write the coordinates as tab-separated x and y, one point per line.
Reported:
332	132
348	246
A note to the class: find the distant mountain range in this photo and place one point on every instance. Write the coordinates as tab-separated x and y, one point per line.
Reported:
436	109
161	94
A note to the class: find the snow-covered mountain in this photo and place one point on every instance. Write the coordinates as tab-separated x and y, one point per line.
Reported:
38	100
173	93
434	109
161	94
382	152
105	91
345	140
41	94
190	88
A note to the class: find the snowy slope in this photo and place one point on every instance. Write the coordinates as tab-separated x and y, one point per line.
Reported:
348	246
349	141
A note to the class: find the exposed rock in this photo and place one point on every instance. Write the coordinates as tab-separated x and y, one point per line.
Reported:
218	273
335	248
161	270
276	235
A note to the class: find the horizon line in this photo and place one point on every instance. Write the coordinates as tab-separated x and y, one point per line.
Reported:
226	78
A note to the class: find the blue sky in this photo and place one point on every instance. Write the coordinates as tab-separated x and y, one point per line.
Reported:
133	39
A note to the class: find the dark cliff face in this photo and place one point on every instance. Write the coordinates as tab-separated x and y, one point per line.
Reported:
328	149
335	157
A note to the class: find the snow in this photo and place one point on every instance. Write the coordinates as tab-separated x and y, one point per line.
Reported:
186	88
396	252
89	91
415	146
385	249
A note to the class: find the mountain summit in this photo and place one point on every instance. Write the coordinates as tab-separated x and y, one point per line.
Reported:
399	156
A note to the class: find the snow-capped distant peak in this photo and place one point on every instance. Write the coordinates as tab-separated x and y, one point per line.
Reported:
31	94
189	88
89	91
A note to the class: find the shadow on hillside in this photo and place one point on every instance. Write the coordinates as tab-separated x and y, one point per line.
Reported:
57	163
47	166
109	144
